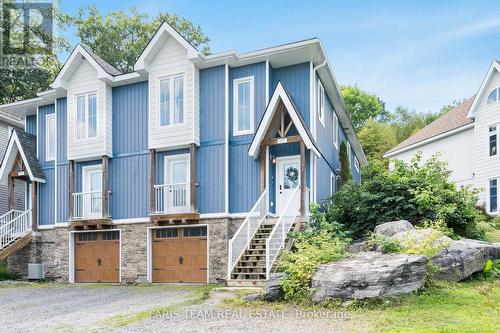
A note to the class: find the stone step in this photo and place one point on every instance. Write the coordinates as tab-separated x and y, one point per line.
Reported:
245	283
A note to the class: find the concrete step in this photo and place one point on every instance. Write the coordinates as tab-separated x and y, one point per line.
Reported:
245	283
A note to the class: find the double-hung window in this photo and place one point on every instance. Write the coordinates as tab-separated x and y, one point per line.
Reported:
50	137
335	127
349	153
356	163
172	100
492	140
321	103
243	106
86	116
333	184
493	195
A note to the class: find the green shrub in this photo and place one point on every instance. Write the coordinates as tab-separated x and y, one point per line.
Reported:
5	274
428	245
386	244
413	191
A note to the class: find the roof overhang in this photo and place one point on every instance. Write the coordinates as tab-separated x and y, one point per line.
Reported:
9	159
495	66
164	32
280	95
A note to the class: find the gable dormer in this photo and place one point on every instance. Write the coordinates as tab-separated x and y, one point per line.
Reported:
86	79
173	89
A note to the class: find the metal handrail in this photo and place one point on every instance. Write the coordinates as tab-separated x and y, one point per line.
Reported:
16	228
171	197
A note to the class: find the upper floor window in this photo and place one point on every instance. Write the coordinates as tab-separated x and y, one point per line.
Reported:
333	184
492	140
50	137
243	109
86	116
493	96
335	127
321	103
172	100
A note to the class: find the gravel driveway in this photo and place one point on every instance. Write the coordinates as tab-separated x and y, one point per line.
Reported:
52	307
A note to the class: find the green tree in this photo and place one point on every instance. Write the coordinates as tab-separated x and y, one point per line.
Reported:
406	122
362	105
119	37
376	138
345	170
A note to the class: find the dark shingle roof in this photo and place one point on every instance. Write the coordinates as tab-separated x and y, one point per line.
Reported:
451	120
105	65
28	143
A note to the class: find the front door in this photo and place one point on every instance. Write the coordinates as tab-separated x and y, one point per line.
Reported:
288	179
92	188
177	180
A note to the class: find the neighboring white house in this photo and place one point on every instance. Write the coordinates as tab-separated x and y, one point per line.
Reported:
466	137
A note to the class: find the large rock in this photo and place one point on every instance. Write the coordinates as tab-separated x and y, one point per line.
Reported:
463	258
391	228
273	288
369	275
422	235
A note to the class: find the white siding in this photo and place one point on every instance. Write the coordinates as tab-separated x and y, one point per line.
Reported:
172	59
457	150
18	183
85	80
487	167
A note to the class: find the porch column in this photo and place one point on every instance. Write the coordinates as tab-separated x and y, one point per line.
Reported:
302	179
192	173
152	179
11	192
34	206
263	170
105	187
71	188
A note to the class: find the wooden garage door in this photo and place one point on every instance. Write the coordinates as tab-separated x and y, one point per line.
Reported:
180	254
97	256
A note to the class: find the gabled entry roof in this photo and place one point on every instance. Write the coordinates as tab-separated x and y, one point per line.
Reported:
25	144
280	94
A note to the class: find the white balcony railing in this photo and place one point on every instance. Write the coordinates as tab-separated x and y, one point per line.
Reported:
9	216
88	205
15	228
172	198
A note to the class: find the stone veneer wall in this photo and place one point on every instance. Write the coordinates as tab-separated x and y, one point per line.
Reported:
51	247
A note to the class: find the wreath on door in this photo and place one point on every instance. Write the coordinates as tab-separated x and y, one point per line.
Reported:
292	174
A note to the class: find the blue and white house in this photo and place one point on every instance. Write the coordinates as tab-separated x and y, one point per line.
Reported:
191	168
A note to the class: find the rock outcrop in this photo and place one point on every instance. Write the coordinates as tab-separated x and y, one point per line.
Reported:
273	290
369	275
391	228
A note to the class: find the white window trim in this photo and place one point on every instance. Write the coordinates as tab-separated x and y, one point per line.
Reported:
488	203
333	185
349	153
166	171
498	97
335	130
488	141
48	117
236	82
171	78
321	103
87	94
85	175
356	163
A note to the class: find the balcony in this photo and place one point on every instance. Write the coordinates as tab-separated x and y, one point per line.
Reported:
90	208
173	202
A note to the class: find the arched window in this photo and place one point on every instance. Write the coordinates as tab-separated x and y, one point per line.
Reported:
493	96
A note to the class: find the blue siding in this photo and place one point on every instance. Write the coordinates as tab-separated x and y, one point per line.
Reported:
210	176
212	104
79	173
62	192
296	80
31	124
323	173
244	184
129	185
130	118
46	198
62	123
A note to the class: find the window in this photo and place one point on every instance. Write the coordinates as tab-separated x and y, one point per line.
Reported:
167	233
50	137
195	232
492	140
243	108
333	183
335	127
110	235
321	103
172	100
493	195
356	163
87	236
493	96
349	153
86	116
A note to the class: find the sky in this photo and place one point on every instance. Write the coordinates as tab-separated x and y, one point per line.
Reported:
418	54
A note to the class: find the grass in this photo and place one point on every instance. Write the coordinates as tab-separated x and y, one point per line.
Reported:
5	274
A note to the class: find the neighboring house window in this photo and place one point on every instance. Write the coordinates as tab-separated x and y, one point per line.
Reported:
333	183
492	140
335	127
243	109
50	137
493	195
172	100
321	103
493	96
86	116
356	163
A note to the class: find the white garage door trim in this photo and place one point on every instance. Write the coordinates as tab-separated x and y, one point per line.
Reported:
149	251
71	266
